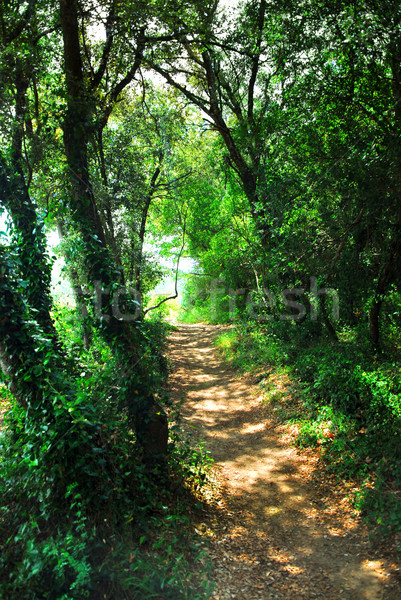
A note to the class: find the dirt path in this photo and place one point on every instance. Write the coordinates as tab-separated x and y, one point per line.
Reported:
282	533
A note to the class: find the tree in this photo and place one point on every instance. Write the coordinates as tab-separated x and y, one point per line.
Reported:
136	153
80	125
347	148
231	67
31	357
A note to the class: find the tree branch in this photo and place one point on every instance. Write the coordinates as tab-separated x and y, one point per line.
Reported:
255	60
97	77
145	312
18	29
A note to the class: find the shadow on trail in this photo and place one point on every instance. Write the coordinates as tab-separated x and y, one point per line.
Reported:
285	538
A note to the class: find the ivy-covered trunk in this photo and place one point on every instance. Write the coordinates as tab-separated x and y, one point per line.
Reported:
15	197
123	336
56	431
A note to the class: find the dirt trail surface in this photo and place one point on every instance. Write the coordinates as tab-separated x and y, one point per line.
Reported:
281	531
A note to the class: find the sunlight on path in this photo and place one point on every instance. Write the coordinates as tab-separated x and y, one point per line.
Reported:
283	539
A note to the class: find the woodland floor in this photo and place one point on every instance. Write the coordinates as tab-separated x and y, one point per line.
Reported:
279	527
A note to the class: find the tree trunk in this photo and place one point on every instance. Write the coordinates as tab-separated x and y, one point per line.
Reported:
328	324
150	420
87	334
19	352
35	268
374	323
142	230
14	195
389	274
108	216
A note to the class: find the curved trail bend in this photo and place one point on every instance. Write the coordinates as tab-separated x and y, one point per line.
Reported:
282	534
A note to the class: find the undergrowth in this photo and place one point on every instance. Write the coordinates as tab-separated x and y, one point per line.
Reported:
130	535
349	405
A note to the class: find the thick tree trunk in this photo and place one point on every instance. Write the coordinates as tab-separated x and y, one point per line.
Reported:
20	354
14	195
34	266
374	323
149	419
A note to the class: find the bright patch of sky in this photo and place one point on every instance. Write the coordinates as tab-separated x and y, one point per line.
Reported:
167	286
4	238
61	287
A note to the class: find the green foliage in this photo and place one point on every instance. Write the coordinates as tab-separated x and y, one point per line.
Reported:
56	564
192	462
119	527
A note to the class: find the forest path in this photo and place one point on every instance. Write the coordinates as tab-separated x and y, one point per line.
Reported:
279	533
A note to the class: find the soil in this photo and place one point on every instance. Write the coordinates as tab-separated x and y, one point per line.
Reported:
280	528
